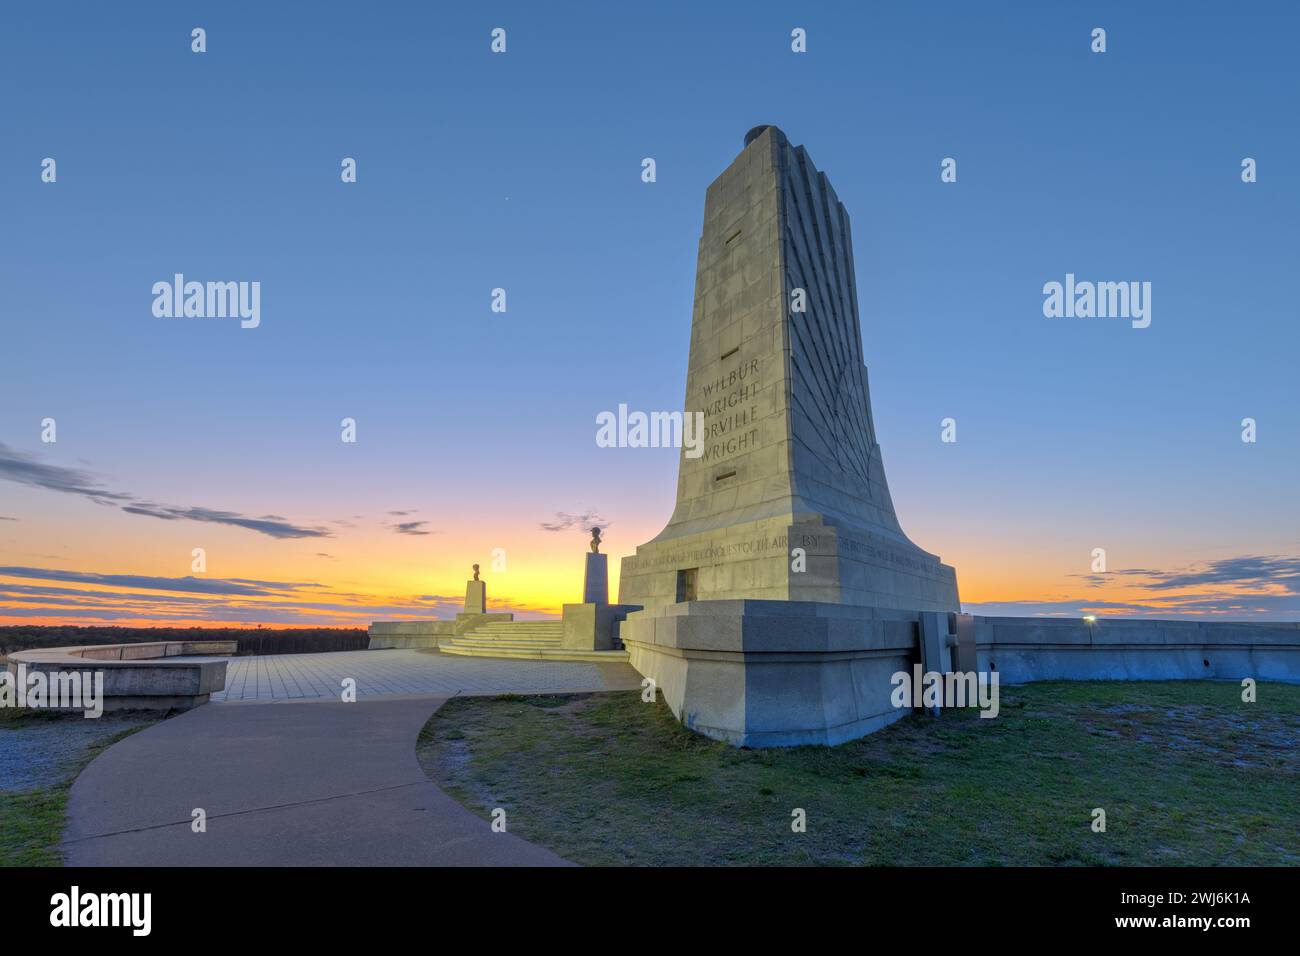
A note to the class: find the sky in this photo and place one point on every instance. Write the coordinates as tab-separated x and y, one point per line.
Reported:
475	430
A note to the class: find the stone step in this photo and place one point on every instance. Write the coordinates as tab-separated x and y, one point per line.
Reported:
537	653
517	626
543	629
510	635
499	641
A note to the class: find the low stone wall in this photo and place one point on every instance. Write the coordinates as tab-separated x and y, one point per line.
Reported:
1024	649
783	673
163	675
386	635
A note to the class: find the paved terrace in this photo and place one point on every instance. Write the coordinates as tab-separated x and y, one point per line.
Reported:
397	672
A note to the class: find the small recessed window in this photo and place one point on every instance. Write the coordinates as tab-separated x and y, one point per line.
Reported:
725	475
733	237
730	352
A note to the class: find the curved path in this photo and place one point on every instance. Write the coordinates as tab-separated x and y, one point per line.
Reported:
311	781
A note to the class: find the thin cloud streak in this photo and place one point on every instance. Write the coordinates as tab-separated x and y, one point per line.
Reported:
1259	587
26	470
231	586
564	521
411	527
1253	571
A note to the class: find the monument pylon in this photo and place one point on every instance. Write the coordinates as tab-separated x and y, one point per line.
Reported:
786	513
790	457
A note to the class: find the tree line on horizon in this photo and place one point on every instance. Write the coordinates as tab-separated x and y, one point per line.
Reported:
251	641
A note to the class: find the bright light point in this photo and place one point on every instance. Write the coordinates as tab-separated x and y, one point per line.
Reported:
1090	618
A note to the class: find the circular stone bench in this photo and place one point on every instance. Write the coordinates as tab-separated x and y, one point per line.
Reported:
161	675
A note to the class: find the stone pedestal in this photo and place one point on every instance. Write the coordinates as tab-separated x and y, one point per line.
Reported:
475	597
594	626
775	673
595	582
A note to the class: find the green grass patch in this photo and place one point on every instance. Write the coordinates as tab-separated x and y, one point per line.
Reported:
32	821
1187	773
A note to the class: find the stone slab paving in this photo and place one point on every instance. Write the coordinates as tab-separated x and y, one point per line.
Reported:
307	780
394	672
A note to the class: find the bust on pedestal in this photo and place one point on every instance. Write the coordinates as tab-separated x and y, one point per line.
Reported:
593	624
595	582
476	595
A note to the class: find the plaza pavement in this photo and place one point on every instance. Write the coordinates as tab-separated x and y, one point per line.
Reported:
290	775
383	673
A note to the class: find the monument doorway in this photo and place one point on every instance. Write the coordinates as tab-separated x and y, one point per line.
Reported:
686	584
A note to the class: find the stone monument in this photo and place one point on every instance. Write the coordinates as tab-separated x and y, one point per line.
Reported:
593	624
475	595
783	582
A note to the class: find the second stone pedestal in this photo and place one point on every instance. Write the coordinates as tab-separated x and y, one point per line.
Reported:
475	597
595	581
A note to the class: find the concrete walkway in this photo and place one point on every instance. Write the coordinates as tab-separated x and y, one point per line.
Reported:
309	782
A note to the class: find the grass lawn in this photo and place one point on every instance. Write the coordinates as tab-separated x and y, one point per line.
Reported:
1186	772
32	820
